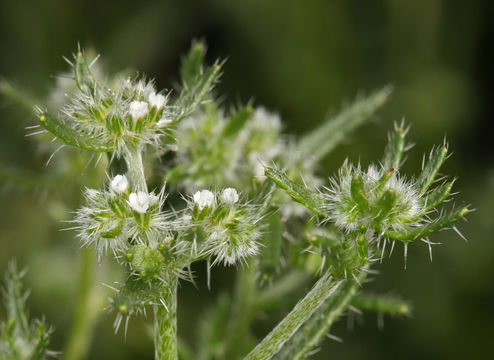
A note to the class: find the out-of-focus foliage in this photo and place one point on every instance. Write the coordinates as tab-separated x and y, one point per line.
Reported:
297	58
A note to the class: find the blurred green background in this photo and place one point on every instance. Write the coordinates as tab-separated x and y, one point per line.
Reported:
302	59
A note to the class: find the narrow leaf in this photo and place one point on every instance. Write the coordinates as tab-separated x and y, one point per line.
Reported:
393	153
436	225
237	121
428	174
322	140
311	200
192	63
70	136
196	92
384	304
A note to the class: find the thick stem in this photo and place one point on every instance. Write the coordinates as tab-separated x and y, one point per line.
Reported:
273	342
135	168
165	324
85	314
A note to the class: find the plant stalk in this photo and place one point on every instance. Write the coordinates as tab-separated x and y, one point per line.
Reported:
135	168
165	323
85	316
274	341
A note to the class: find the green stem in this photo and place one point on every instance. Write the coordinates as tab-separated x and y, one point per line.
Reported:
318	326
165	323
85	316
135	167
241	312
273	342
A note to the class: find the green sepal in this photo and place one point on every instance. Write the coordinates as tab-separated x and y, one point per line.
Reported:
82	75
310	199
436	225
70	136
271	241
436	197
114	231
384	205
393	153
237	121
384	304
357	191
428	174
323	139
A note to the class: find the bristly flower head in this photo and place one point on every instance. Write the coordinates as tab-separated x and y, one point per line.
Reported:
373	198
229	228
115	219
122	116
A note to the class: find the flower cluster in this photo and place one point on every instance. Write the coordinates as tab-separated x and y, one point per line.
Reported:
223	227
376	198
116	218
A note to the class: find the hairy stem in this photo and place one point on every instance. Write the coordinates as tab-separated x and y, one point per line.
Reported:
165	323
319	324
273	342
133	159
85	316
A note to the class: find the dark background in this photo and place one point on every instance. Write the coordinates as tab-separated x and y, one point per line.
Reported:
302	59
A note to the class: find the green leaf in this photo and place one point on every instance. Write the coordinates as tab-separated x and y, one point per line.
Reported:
192	63
384	304
441	223
428	174
322	140
436	197
237	121
311	200
271	241
70	136
196	92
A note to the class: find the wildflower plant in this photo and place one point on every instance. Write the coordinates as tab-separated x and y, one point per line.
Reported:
236	189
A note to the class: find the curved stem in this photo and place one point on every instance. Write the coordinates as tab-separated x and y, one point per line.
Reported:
165	324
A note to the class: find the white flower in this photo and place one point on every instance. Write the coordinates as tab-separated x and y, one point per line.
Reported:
139	202
204	198
119	184
138	109
229	196
157	100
